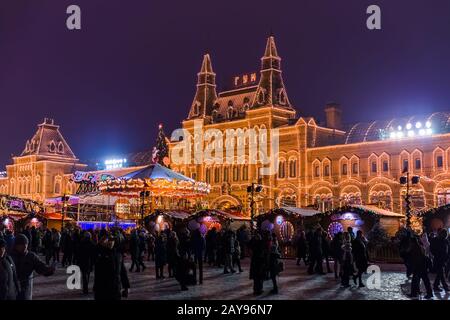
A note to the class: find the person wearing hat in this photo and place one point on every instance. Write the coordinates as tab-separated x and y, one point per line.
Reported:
8	278
27	263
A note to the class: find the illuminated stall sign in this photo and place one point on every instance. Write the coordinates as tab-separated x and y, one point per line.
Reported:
8	203
88	181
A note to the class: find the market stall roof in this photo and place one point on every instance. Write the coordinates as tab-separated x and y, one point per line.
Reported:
220	214
180	215
54	216
304	212
376	210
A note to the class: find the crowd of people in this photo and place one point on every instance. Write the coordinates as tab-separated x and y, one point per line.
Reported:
425	254
347	251
182	255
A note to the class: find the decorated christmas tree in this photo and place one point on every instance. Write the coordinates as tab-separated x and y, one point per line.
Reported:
160	153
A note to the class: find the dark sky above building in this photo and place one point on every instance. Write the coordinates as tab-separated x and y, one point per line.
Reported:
134	63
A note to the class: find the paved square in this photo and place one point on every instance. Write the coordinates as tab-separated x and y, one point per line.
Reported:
294	284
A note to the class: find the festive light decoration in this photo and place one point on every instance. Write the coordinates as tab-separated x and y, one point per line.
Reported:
410	132
158	180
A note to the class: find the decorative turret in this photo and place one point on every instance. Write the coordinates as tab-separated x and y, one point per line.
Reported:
206	91
48	141
271	90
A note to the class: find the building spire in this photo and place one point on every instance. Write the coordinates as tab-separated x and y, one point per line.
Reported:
206	94
271	90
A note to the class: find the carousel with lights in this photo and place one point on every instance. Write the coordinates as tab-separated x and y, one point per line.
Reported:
157	193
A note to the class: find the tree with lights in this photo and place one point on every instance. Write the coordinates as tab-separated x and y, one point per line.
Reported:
160	153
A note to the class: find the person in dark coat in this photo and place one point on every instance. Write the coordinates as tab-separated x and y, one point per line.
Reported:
9	284
198	249
228	247
48	246
9	238
242	235
337	253
440	250
86	259
56	239
258	263
134	251
404	251
326	251
34	239
110	276
211	246
150	247
315	249
67	247
76	239
161	251
237	255
274	263
360	256
27	263
302	248
347	261
419	268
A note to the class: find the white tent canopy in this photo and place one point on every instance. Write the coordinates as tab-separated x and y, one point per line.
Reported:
304	212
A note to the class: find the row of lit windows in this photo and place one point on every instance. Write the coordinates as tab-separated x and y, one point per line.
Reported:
327	169
24	186
238	173
417	166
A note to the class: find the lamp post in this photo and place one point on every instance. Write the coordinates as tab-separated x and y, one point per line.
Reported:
143	195
251	189
64	200
406	181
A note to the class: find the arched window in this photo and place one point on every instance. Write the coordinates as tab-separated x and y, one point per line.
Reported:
37	184
236	173
292	168
217	174
245	172
57	186
261	97
282	169
52	146
225	174
208	175
230	112
60	147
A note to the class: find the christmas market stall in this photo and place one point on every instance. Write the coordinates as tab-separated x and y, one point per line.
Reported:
211	218
286	223
14	212
161	220
361	217
436	218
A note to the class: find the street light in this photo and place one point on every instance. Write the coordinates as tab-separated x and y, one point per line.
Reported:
405	180
143	195
251	189
64	200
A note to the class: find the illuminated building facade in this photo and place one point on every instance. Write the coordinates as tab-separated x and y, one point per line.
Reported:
326	165
42	169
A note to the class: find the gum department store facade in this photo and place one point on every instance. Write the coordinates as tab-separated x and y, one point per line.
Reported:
320	164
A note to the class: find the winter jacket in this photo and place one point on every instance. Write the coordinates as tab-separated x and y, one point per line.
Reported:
26	265
9	284
110	275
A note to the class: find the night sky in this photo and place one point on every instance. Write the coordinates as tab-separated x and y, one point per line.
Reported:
134	63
